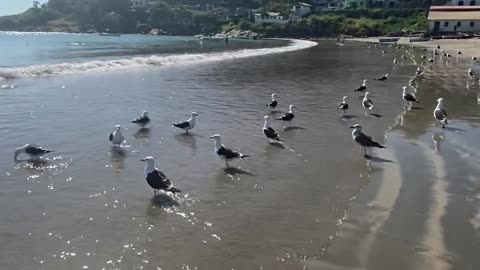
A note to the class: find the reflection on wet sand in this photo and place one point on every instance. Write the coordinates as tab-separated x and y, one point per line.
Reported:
142	133
187	139
117	157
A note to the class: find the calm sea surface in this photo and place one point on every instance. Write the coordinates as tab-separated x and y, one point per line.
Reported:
315	204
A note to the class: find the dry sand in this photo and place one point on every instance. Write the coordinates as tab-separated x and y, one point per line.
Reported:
468	47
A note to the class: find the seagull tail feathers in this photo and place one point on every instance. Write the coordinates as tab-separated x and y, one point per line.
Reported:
379	146
242	156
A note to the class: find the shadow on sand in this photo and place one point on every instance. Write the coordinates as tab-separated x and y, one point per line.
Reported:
456	130
378	159
376	115
187	139
143	133
235	171
293	128
417	108
164	200
349	116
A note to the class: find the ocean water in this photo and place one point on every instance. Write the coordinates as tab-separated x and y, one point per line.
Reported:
315	203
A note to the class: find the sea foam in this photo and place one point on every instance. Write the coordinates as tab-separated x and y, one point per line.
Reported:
150	61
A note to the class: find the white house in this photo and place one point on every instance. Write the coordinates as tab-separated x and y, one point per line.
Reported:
299	10
454	19
328	4
139	3
465	3
270	17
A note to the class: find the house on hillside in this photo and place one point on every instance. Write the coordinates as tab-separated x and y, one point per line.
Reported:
300	10
328	4
465	3
454	19
270	17
139	4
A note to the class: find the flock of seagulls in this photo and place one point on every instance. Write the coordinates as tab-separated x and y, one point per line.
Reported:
158	181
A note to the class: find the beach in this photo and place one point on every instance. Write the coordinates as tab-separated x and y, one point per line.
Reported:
468	47
315	203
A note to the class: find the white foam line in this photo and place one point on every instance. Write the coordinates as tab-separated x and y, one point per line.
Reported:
151	61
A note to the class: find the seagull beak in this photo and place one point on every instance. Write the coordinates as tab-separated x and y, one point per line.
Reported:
212	137
352	127
143	159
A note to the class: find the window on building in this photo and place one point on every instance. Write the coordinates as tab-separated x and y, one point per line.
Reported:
472	24
460	3
445	24
459	24
473	3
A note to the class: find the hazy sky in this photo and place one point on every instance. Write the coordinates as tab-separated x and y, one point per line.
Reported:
9	7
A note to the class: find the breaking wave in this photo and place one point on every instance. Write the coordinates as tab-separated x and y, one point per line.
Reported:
150	61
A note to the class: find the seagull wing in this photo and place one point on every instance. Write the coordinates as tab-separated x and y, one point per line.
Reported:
367	141
271	133
182	125
110	137
141	120
228	153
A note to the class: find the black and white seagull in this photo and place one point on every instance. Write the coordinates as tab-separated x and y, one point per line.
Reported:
471	73
419	71
32	150
273	104
367	103
363	140
395	61
474	58
189	124
116	137
344	105
225	153
272	134
383	78
288	117
439	113
143	120
409	98
157	179
362	88
459	52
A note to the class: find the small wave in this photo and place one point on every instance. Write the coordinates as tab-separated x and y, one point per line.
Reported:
151	61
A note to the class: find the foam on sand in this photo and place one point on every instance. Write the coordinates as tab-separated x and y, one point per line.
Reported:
150	61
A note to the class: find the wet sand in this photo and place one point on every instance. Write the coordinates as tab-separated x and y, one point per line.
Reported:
317	204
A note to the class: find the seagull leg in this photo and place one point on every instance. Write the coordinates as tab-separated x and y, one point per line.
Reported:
226	164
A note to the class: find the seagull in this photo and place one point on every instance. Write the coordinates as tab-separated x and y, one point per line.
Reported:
403	57
33	150
224	152
395	61
424	57
383	78
362	88
471	73
189	124
419	71
474	58
384	52
408	97
344	105
288	117
459	52
449	55
142	120
273	104
363	140
271	133
438	47
116	137
367	103
157	179
439	113
431	60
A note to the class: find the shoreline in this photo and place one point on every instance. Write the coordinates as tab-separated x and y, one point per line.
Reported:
468	47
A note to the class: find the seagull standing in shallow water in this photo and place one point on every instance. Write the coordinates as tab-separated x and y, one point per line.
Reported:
471	73
271	133
116	137
157	179
189	124
225	153
366	102
34	151
408	97
362	88
363	140
288	117
273	104
439	113
142	120
344	105
383	78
